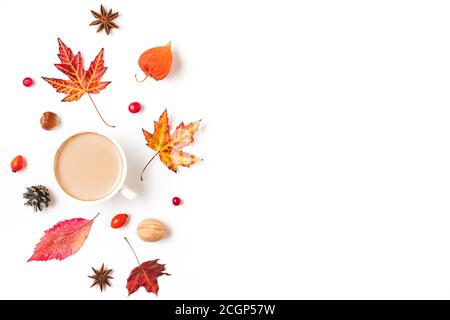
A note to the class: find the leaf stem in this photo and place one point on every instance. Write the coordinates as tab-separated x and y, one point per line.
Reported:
84	225
142	173
140	81
96	109
135	255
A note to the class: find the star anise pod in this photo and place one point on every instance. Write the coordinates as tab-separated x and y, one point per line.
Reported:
104	20
101	277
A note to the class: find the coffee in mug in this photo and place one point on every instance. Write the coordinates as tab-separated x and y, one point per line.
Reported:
90	166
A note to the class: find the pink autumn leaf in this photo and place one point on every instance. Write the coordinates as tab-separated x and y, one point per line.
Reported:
62	240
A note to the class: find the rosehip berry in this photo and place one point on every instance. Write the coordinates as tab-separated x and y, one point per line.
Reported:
134	107
119	220
176	201
27	82
17	163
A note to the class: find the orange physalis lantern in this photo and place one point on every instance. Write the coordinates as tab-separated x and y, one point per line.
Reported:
156	62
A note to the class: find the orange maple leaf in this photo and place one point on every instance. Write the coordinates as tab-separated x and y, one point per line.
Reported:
80	81
168	147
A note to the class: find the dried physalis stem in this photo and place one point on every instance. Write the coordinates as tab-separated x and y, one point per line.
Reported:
49	120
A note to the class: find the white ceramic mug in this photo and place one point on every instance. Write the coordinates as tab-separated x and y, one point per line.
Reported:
120	186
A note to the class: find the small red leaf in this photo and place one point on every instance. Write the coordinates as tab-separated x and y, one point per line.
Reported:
146	275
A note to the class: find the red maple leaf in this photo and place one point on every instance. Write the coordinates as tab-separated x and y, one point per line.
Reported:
80	81
145	275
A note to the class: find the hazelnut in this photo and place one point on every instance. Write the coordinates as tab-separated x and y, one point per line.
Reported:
49	120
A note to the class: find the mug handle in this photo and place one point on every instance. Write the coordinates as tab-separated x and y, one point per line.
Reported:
128	193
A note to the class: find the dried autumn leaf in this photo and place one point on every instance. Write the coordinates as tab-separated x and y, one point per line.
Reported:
145	275
168	147
62	240
156	62
80	81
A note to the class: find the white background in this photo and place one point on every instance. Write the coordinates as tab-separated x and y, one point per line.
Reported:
325	136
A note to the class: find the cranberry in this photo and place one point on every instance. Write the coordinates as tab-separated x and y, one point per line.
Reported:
176	201
134	107
27	82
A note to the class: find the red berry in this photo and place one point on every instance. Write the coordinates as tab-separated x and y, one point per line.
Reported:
27	82
134	107
119	220
176	201
17	163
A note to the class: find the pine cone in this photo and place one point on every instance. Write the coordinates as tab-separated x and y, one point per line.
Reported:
38	197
